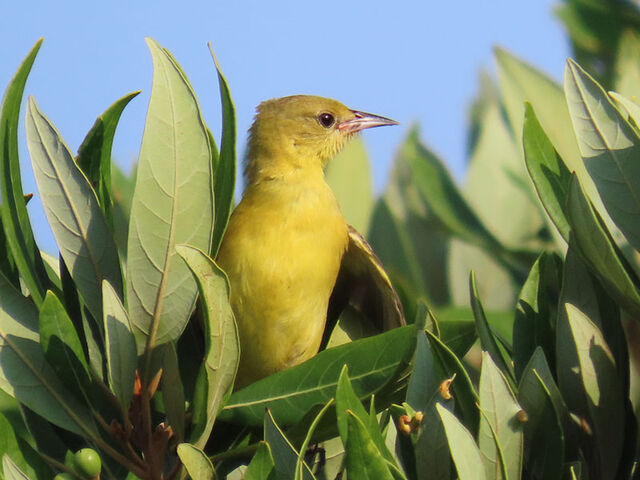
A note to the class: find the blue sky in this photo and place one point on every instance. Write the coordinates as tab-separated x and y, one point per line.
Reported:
413	61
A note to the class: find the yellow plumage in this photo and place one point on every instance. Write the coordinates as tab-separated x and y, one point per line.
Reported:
285	240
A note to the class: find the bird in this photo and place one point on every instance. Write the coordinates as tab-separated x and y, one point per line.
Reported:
285	240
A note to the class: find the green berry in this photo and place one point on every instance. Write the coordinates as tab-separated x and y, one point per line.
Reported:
63	476
87	462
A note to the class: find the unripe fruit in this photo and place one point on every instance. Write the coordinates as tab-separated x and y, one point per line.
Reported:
87	462
63	476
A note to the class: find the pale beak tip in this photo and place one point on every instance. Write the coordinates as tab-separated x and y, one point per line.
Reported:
363	120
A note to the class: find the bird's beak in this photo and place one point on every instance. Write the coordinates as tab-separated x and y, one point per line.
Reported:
363	120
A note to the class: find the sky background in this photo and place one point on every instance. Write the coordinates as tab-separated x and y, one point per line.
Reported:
413	61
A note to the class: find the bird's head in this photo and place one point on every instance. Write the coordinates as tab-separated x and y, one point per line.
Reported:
302	131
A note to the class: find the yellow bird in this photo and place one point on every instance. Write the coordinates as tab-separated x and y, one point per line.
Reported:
285	240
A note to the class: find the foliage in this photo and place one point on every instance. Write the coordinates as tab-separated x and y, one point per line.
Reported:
521	290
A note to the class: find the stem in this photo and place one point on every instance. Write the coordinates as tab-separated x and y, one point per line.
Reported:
117	456
235	453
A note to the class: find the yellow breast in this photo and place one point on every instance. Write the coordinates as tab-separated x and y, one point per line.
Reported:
282	252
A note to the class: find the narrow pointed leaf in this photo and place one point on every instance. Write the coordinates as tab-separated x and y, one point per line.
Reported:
172	204
543	433
520	82
24	372
631	107
301	466
433	461
464	451
375	364
550	176
348	403
500	408
602	388
11	470
196	462
120	347
347	400
94	155
596	246
82	234
62	347
425	378
23	454
225	172
15	219
173	390
487	337
610	149
363	460
533	326
222	347
465	395
443	197
284	455
261	466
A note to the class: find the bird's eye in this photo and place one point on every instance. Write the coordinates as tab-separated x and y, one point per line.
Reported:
326	120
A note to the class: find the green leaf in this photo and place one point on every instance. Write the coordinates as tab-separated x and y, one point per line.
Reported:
391	244
425	377
430	452
173	390
348	403
610	148
225	171
543	432
550	176
222	347
496	160
349	176
432	459
196	462
284	455
23	454
363	460
464	451
122	195
429	243
631	108
442	196
120	347
172	204
457	328
24	372
376	364
15	218
578	289
533	326
261	466
94	155
347	400
62	348
11	470
627	66
487	338
593	241
465	395
603	391
80	229
520	82
301	466
500	407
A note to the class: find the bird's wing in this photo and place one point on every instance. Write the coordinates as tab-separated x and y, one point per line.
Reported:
364	286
